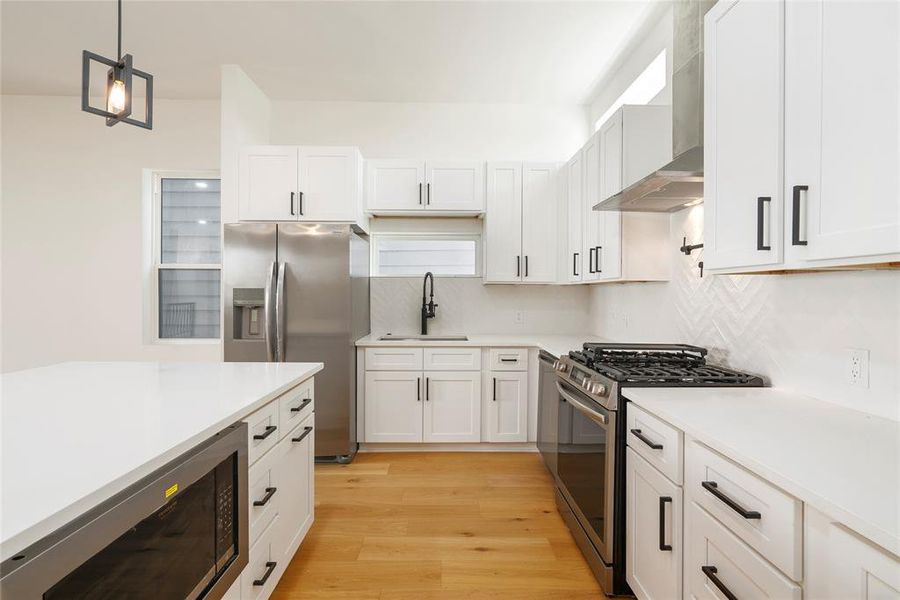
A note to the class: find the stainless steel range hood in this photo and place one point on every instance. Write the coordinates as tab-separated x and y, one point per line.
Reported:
680	182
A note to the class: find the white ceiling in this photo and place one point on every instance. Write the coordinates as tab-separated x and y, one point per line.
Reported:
520	52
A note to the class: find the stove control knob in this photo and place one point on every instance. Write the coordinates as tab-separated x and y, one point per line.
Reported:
597	388
561	367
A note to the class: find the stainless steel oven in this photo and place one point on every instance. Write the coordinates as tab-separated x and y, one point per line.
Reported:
180	532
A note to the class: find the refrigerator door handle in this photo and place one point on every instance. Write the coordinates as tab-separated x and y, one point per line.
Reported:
279	314
269	312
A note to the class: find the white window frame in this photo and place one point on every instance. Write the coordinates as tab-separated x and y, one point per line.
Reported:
377	238
156	254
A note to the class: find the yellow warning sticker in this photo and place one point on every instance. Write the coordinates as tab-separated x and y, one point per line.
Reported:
171	490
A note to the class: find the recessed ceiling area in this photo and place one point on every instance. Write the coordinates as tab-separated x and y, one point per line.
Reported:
516	52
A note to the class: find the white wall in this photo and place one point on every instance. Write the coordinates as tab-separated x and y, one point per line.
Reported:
73	222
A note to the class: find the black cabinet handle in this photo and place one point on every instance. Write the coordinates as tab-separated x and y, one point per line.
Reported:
637	433
518	266
760	217
509	360
301	204
526	265
418	389
710	573
599	265
427	390
575	264
269	431
420	193
713	488
270	567
270	491
303	405
306	432
495	389
591	261
663	500
292	203
428	195
795	218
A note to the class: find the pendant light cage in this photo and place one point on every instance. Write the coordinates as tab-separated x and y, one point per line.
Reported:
120	78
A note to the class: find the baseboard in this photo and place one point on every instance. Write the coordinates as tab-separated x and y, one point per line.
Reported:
474	447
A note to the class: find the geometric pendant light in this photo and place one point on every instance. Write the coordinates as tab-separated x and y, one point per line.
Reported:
119	86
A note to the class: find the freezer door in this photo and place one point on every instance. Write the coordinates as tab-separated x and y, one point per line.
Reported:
317	300
249	268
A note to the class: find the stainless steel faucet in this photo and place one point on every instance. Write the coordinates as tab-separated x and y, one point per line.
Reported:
428	308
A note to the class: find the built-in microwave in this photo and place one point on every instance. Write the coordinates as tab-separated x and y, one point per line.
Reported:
180	532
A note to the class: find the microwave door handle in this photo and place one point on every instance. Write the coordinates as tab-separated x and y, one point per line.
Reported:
269	313
581	406
279	313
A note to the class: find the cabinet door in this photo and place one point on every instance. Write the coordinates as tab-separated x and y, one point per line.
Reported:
393	406
743	155
841	124
653	546
267	183
608	250
574	217
395	185
507	407
591	225
503	223
452	410
328	183
454	185
539	223
296	456
842	566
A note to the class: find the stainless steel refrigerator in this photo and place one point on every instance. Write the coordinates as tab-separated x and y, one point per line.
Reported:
299	292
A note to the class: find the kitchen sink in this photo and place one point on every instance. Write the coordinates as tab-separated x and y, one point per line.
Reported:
423	338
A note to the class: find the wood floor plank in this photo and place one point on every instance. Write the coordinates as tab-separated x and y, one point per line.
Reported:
521	575
456	548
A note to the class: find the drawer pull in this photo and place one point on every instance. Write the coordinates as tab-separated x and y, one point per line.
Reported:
713	488
637	433
710	573
663	546
303	405
512	360
269	431
270	567
306	432
270	491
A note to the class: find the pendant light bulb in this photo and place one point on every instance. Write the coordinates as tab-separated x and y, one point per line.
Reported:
115	103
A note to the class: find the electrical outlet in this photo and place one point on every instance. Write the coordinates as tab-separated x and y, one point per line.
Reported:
519	317
858	367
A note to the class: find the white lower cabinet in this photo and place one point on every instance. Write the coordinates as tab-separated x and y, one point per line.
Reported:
840	565
452	408
507	406
295	466
653	546
393	406
258	578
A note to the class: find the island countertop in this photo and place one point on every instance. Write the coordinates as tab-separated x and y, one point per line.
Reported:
75	434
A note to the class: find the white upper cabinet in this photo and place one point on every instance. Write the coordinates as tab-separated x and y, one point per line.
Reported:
574	217
743	162
267	183
592	226
520	223
841	132
305	183
416	187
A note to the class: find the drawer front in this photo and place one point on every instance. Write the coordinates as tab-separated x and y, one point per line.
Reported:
265	558
716	560
262	428
452	359
264	494
393	359
657	442
294	406
765	517
508	359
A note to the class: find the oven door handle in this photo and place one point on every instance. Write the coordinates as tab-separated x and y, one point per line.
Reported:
590	412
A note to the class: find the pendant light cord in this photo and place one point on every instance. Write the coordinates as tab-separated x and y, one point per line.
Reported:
119	55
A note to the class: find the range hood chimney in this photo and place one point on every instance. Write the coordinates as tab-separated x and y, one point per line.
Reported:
680	182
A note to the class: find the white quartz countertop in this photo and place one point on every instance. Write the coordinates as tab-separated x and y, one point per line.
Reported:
75	434
556	345
840	461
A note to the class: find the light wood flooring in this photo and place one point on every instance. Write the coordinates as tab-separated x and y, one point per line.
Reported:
437	526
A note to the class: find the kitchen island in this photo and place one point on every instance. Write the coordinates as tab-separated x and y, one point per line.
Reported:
76	434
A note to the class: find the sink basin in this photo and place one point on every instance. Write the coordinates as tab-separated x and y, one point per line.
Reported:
423	338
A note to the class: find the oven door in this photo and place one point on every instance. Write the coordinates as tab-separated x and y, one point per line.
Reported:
586	464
